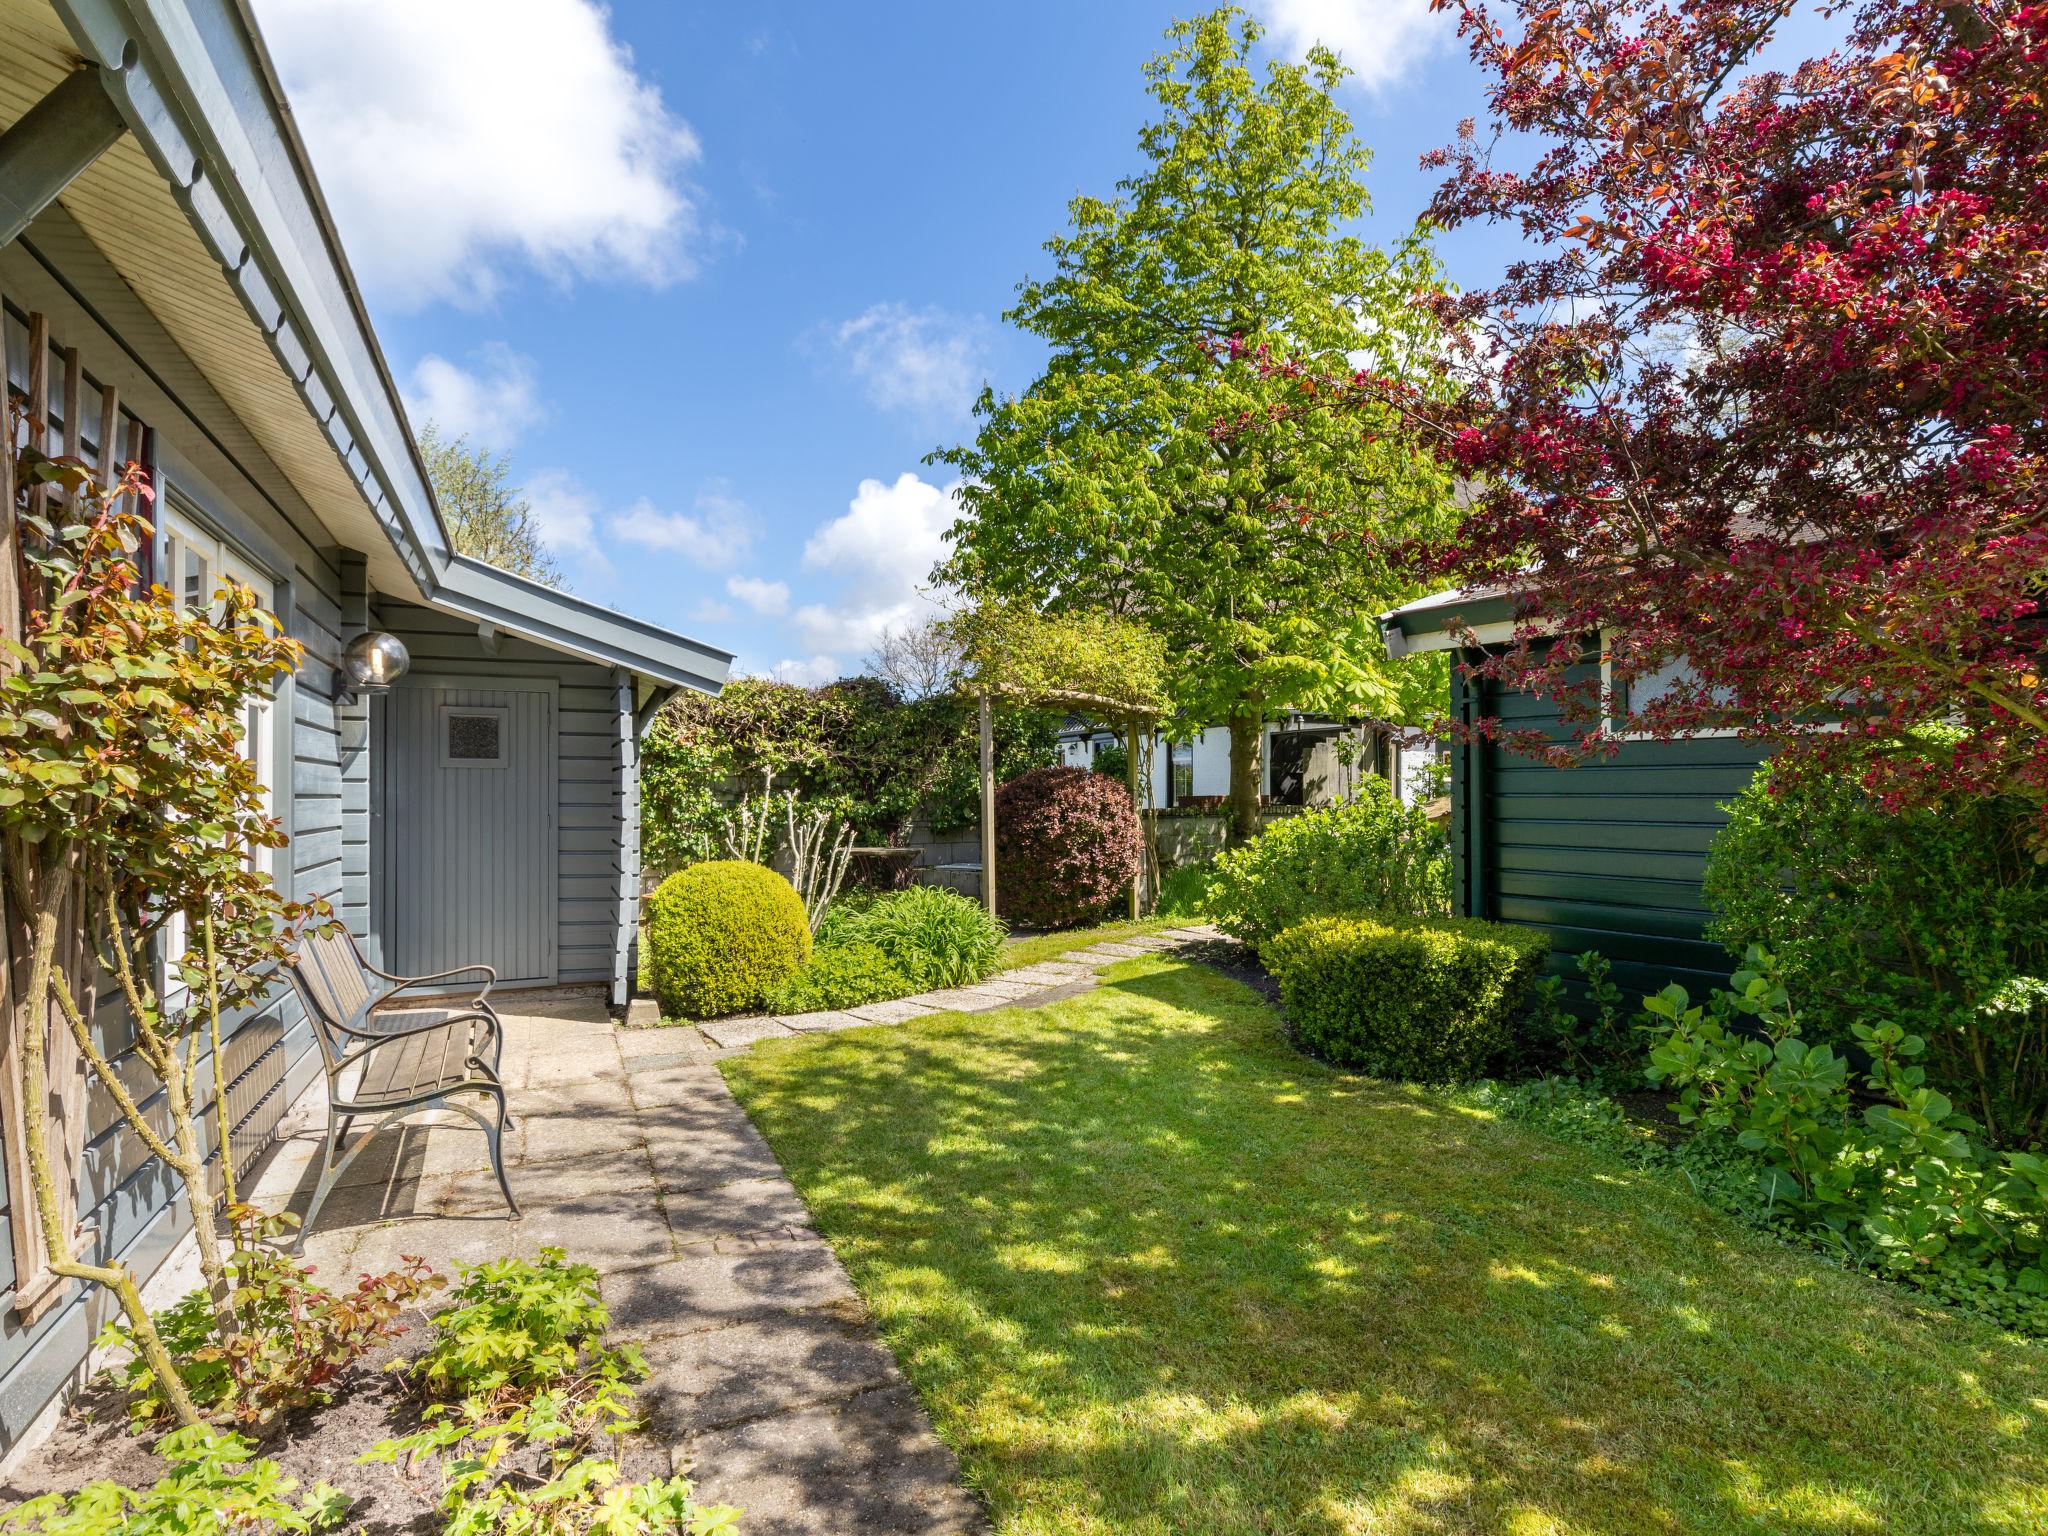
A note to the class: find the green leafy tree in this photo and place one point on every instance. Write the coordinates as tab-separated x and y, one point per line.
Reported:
1164	465
487	518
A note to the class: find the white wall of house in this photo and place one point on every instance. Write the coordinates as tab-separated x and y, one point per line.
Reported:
1210	752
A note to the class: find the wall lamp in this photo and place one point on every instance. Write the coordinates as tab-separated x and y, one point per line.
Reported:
370	664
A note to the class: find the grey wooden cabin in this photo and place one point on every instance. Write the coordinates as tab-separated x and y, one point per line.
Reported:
1607	855
158	220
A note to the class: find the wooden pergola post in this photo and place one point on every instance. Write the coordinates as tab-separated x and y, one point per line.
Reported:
988	805
1131	774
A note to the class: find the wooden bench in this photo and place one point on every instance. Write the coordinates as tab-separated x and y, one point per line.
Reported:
389	1052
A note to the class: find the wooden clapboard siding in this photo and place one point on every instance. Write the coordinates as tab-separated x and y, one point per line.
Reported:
1607	855
125	1198
589	810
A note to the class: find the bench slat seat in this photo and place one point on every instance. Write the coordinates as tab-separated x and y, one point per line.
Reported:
405	1054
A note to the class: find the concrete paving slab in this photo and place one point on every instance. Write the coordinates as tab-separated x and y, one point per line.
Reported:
961	1000
723	1376
706	1289
755	1208
1011	987
664	1040
1102	954
744	1030
870	1465
894	1011
1050	973
825	1019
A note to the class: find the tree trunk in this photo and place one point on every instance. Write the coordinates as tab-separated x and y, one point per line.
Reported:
1246	731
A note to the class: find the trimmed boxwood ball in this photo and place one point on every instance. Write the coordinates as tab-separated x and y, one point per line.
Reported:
721	935
1067	844
1424	999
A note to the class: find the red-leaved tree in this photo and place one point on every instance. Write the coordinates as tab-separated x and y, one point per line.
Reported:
1769	394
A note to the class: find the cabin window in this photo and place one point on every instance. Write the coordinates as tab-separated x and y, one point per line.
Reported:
192	563
1180	772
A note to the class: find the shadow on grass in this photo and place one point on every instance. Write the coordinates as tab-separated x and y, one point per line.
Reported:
1154	1271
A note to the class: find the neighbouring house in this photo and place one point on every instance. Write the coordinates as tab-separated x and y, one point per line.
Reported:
1607	855
173	284
1303	760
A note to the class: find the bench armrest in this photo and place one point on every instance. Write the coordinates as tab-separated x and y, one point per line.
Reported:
402	983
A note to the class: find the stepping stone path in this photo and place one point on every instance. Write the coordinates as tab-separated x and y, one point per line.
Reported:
769	1386
1029	986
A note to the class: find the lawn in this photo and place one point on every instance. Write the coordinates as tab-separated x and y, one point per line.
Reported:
1153	1272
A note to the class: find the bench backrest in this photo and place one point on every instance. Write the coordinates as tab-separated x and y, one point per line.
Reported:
337	990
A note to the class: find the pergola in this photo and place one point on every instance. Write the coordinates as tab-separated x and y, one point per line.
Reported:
1097	663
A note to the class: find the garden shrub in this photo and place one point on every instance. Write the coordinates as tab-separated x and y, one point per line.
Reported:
1871	1163
721	935
296	1339
1935	917
1067	845
1427	999
841	976
935	937
1371	854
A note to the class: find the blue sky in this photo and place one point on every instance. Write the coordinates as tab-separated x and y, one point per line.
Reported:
717	277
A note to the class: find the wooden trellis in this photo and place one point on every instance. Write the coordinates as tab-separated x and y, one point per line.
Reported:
1096	663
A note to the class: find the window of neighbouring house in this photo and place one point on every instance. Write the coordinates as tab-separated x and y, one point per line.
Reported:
1180	772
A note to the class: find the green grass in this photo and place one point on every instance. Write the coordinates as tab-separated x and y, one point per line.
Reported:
1153	1272
1047	946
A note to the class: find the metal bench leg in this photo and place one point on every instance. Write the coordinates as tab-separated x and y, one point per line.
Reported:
329	1172
496	1133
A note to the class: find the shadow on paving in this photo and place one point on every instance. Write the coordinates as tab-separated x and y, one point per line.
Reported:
1151	1269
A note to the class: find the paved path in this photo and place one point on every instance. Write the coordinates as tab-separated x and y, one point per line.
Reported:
1028	987
770	1388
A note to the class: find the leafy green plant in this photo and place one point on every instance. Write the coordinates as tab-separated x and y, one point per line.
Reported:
1185	891
1372	854
841	976
720	935
515	1326
294	1339
1936	914
1424	998
541	1402
1866	1159
935	937
1592	1042
212	1487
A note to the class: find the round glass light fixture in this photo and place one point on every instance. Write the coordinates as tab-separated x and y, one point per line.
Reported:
372	662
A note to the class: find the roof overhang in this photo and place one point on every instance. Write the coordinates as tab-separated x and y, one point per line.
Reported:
209	210
1450	621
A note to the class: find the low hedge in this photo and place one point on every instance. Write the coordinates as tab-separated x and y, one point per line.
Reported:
1427	999
721	935
842	976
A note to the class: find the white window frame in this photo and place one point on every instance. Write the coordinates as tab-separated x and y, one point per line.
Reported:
191	561
1609	713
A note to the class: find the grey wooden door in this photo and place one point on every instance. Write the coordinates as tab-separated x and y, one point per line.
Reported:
470	828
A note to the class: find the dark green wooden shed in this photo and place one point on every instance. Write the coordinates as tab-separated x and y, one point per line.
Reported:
1607	855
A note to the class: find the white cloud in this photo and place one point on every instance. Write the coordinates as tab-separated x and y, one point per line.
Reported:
1380	39
923	363
491	403
566	512
710	610
462	140
808	674
716	533
882	549
770	599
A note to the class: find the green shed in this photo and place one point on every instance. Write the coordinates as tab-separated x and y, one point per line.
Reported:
1606	855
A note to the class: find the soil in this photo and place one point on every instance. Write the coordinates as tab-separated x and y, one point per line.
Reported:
94	1441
